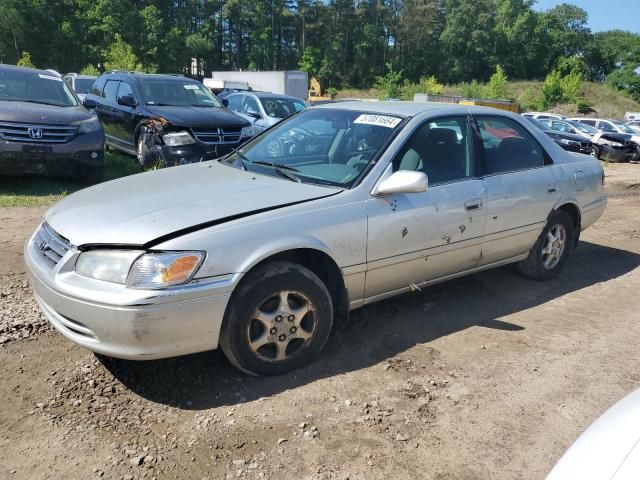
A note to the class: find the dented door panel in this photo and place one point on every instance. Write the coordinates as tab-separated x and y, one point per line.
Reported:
417	237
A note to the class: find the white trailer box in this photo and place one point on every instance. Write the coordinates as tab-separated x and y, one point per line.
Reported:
290	82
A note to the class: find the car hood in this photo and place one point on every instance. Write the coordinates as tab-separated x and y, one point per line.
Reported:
147	207
616	137
27	112
567	136
198	117
609	449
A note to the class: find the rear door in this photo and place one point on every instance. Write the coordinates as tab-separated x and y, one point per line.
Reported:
521	187
125	117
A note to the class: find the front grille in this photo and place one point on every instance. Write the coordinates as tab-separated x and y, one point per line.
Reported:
217	135
585	144
49	245
34	133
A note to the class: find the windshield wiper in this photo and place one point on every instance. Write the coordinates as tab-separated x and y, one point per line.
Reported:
281	169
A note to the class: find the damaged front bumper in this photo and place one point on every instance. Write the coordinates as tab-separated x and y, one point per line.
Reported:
113	320
185	154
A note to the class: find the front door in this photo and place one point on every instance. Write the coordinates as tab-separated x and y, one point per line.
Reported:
521	187
416	237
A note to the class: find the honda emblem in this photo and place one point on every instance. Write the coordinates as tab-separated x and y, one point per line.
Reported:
35	132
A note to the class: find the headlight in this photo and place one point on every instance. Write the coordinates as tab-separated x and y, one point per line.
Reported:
178	138
247	132
165	269
569	142
107	265
138	269
88	126
604	141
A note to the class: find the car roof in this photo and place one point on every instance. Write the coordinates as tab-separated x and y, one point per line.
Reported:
411	109
265	94
150	76
15	68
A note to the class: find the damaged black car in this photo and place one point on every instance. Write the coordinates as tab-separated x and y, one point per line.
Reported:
166	119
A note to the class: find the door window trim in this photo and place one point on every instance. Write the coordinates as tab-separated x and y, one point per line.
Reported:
547	160
474	157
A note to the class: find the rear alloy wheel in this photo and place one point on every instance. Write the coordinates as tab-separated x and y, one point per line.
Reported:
551	250
278	319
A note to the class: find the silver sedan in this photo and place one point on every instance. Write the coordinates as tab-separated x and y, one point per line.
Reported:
264	251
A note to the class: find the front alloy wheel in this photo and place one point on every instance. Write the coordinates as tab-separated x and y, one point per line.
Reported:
278	319
281	326
554	245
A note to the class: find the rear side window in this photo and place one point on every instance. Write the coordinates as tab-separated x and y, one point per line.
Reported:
98	86
234	102
588	122
508	146
441	148
111	90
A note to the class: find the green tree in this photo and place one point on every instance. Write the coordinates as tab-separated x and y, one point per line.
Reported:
25	60
89	70
497	88
571	85
120	56
389	84
552	90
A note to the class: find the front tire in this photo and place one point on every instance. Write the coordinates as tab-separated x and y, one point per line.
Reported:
552	249
143	154
278	319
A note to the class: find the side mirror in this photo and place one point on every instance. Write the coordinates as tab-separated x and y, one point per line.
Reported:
254	114
225	103
127	101
89	103
402	181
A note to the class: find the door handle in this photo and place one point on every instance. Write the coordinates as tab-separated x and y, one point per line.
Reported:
473	204
552	188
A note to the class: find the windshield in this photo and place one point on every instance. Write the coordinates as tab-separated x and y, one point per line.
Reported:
623	128
175	93
323	146
83	85
34	87
585	128
538	124
281	107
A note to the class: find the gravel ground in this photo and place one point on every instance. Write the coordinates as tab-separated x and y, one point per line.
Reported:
489	376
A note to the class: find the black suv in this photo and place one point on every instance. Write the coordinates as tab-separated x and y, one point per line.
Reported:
44	129
166	118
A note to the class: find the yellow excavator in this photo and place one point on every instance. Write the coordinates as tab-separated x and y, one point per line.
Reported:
315	92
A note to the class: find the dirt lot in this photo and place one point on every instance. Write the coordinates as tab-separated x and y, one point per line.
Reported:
490	376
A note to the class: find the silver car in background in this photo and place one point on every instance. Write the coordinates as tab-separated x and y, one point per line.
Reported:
264	251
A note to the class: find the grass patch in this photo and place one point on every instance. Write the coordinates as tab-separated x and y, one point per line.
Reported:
43	191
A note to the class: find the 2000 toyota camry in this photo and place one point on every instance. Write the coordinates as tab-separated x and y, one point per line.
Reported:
263	251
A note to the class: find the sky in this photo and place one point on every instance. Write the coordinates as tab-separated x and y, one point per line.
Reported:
604	14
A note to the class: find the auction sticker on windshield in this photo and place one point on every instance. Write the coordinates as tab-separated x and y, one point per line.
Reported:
49	77
379	120
190	86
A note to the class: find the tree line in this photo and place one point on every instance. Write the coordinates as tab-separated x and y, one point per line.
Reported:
345	43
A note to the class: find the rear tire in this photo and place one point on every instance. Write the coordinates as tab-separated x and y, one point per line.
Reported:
552	249
278	319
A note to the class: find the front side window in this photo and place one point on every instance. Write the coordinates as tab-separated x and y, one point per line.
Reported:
606	127
124	90
623	128
588	122
324	146
510	146
441	148
30	86
176	93
250	105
